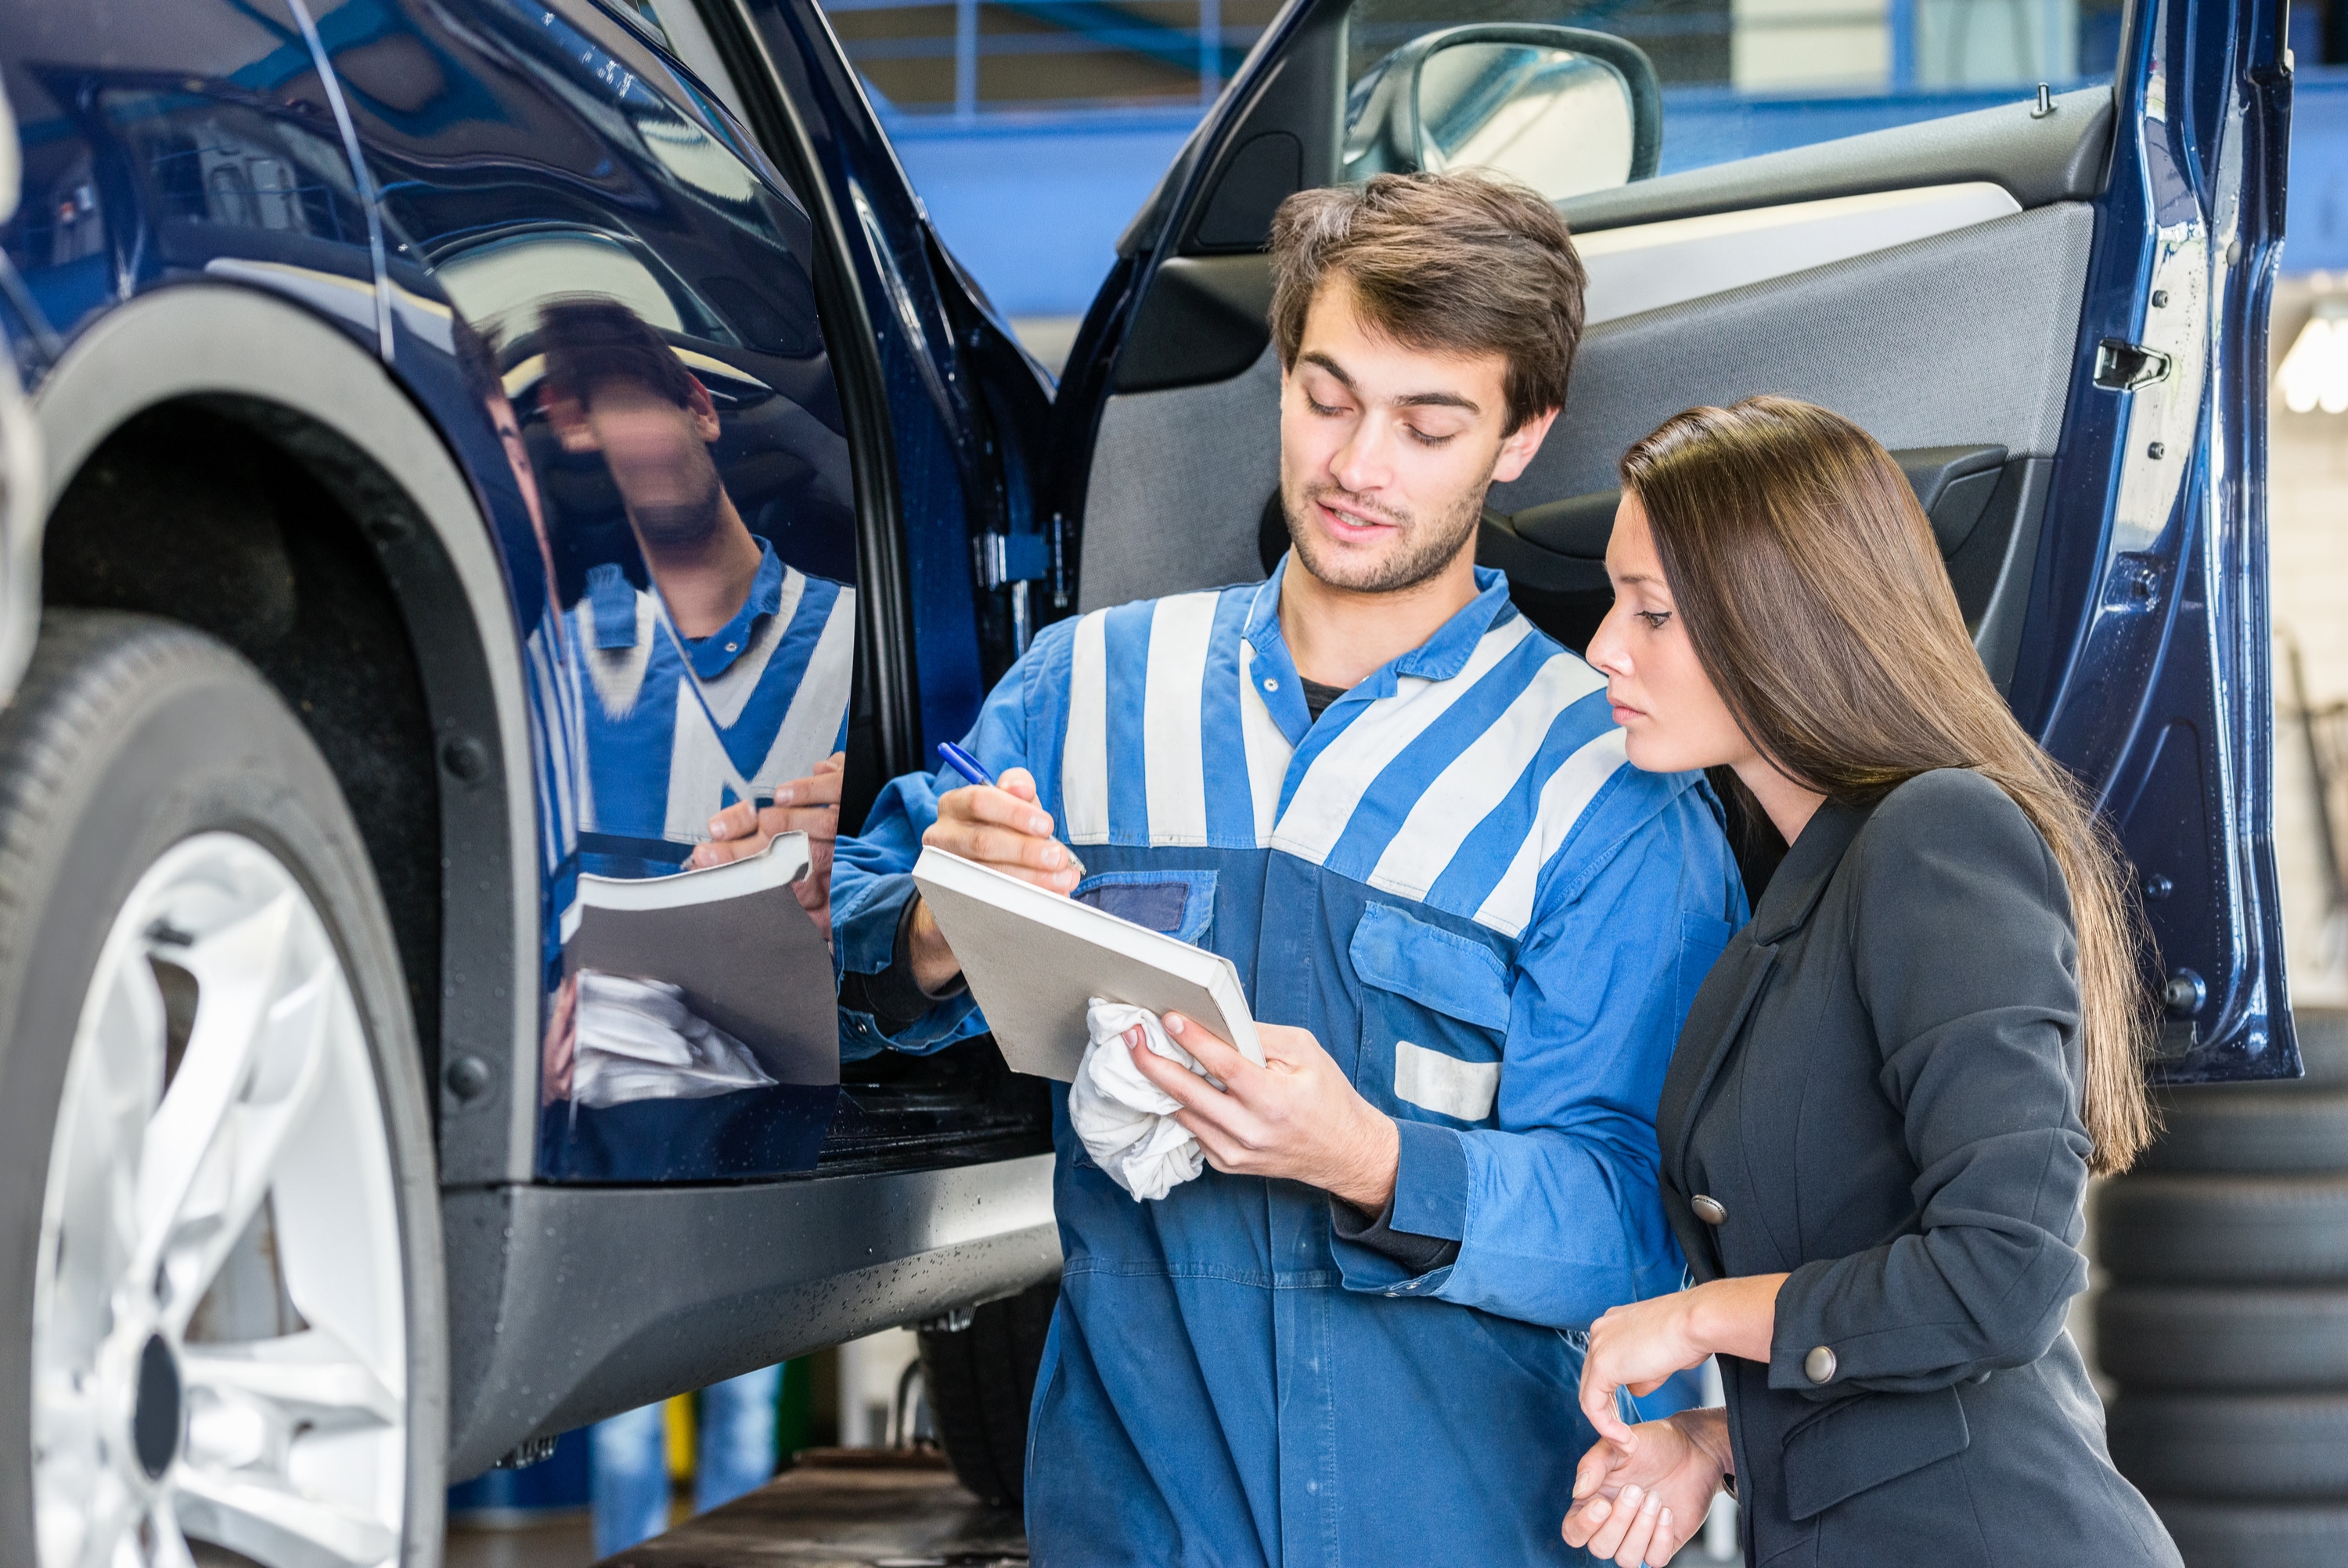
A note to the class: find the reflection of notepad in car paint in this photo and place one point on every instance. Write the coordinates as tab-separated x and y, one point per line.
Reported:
736	943
1035	959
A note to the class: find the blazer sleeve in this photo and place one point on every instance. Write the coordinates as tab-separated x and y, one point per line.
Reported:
1966	964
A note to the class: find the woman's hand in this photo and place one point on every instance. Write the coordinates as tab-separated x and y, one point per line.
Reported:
1636	1347
1639	1504
1639	1345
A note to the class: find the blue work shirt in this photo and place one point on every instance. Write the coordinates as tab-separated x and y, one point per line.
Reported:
661	758
1495	925
550	665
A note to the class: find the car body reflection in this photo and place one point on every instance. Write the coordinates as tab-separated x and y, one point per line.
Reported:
613	285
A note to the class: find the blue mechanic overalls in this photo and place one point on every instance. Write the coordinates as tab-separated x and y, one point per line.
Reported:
1457	883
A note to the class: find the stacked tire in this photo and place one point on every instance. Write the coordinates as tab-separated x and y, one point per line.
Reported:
2225	1321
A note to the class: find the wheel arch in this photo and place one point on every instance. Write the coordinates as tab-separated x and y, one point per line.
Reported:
301	392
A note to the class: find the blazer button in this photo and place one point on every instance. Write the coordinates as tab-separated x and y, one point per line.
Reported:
1819	1365
1708	1209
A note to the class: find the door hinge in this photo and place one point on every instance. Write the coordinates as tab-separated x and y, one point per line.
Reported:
2123	366
1014	561
1013	558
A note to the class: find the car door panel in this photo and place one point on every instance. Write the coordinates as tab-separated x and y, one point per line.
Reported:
2037	159
2093	312
945	481
1964	337
948	419
1984	507
1178	480
1943	355
1194	302
1647	266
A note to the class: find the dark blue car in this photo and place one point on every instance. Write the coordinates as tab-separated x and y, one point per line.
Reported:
463	445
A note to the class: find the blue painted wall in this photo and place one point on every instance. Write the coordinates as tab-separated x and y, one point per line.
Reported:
2315	228
1032	203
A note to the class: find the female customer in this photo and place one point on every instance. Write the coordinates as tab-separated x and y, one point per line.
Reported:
1879	1123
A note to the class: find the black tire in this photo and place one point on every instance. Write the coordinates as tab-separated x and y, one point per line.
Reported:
2241	1448
2255	1535
2322	1045
2152	1338
2224	1230
129	735
980	1381
2283	1129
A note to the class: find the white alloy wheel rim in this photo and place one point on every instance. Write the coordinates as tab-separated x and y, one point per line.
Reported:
220	1339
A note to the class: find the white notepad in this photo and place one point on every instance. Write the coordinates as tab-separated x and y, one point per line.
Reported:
735	942
1035	959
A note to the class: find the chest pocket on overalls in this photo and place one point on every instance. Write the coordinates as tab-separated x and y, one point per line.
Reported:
1179	903
1434	1013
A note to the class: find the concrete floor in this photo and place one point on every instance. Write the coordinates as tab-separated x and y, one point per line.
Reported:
567	1542
844	1508
838	1508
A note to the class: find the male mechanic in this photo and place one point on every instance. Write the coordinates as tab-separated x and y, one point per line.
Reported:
1469	928
735	673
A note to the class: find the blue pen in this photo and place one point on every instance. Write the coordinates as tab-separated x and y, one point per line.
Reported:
963	762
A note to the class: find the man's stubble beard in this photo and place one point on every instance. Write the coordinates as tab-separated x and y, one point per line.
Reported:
1429	547
681	525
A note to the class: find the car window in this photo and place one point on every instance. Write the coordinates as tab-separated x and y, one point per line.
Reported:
1742	77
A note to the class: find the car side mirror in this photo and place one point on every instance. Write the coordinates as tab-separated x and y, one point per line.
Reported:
1564	110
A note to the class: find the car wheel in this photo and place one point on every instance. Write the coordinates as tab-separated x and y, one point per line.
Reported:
215	1158
980	1380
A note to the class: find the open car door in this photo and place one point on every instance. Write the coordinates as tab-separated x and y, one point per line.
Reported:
2052	309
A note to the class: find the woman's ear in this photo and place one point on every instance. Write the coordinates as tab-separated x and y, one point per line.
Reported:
1519	446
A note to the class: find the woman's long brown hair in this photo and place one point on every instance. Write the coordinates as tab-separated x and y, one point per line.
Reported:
1819	605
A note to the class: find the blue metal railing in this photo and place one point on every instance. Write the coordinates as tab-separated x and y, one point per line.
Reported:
1208	50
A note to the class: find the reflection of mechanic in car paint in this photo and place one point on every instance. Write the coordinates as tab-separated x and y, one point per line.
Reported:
733	670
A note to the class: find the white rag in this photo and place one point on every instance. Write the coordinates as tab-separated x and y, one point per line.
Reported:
638	1040
1125	1120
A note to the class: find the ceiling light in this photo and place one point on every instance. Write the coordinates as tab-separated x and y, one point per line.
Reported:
2314	374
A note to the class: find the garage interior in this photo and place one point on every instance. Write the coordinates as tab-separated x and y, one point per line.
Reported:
2213	1418
2236	1432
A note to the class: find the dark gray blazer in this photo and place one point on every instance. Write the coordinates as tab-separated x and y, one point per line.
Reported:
1877	1092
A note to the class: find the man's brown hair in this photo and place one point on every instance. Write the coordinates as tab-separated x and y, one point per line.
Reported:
590	340
1454	263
